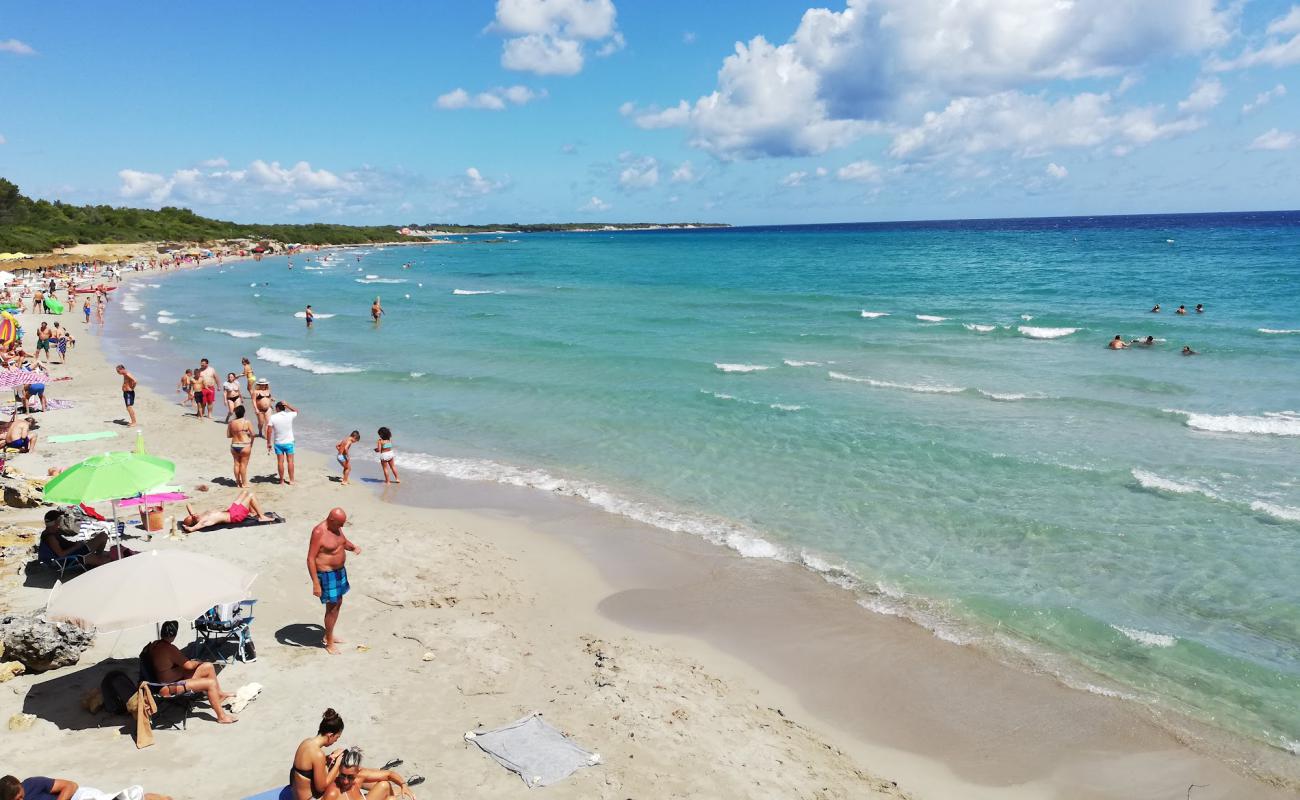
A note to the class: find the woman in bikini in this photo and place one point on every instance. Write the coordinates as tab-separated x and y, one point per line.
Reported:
234	397
240	433
249	377
384	447
314	770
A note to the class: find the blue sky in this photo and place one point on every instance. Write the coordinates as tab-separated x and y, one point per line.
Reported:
753	112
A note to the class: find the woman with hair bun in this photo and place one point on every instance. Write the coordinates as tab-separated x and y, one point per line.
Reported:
313	769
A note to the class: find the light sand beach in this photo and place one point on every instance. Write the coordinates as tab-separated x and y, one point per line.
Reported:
473	607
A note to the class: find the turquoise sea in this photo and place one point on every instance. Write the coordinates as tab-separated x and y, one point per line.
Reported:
924	413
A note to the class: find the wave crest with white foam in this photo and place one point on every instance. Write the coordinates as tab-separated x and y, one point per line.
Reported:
874	314
1146	638
740	367
472	291
298	360
930	318
1270	423
1045	333
236	334
1278	331
920	388
971	326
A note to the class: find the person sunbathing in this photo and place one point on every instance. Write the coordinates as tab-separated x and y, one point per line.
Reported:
95	552
180	674
238	511
377	783
42	788
314	770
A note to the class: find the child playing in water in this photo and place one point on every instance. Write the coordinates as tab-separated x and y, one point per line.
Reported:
344	456
384	447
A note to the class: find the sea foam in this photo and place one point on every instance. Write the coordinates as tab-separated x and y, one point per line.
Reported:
874	314
971	326
740	367
1278	331
789	362
379	280
920	388
930	318
236	334
1045	333
472	291
1146	638
1270	423
303	315
299	360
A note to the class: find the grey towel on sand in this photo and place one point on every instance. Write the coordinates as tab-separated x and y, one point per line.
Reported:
534	750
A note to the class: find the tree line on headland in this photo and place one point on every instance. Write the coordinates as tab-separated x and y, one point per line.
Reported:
35	226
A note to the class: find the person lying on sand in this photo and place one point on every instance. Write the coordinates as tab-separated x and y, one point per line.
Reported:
181	674
234	514
42	788
377	783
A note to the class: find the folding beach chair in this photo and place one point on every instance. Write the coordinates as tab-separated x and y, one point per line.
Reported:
62	564
184	700
228	622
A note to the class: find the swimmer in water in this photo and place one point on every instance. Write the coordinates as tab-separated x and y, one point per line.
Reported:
1181	310
1200	309
1117	343
1187	351
1156	309
1147	342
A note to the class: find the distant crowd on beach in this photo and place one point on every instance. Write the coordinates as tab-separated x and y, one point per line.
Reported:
1118	342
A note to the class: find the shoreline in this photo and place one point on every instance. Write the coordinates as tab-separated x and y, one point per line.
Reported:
651	569
658	595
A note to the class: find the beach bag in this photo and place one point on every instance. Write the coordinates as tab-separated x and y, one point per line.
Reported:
115	689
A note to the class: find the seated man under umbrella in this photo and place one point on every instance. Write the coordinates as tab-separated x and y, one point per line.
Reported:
180	674
55	543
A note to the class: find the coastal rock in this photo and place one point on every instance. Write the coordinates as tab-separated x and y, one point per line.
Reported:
19	492
40	644
10	670
21	721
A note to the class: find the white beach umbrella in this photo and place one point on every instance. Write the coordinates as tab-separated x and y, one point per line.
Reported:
147	588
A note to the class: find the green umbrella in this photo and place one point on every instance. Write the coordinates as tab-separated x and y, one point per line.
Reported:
112	476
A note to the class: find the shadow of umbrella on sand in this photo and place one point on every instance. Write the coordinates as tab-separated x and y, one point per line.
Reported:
58	699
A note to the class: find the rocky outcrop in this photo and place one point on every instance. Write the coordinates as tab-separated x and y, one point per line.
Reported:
40	644
19	492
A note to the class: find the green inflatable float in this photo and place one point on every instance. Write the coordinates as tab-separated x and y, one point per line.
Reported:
53	306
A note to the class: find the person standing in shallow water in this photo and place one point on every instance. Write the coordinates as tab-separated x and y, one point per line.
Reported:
376	310
327	565
311	316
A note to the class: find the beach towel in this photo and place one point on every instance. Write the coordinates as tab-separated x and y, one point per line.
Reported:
250	522
50	405
129	793
534	750
80	437
145	708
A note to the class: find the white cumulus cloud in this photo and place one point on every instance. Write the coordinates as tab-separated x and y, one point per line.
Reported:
595	204
862	171
547	37
1206	94
17	47
1280	48
845	73
474	184
638	172
1057	171
1030	125
684	173
492	100
1274	139
1264	98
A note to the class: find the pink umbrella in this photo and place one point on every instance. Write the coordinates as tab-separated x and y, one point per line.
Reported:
13	378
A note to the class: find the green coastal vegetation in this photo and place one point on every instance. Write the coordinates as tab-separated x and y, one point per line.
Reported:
34	226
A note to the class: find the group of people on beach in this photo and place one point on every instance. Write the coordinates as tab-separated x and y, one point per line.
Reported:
1118	343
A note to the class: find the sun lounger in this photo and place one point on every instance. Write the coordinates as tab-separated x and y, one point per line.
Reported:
231	622
80	437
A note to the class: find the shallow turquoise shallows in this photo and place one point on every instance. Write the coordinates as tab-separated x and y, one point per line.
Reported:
927	414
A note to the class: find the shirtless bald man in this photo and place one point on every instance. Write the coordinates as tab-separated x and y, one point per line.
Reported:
326	564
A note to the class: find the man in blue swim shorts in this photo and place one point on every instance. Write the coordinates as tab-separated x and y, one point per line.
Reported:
279	436
327	564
